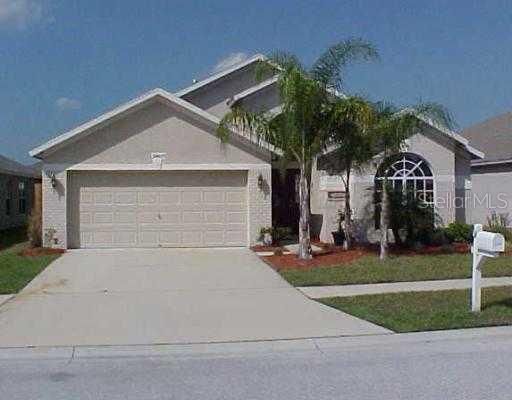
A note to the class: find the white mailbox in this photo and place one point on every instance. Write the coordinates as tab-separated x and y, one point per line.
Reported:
489	242
485	244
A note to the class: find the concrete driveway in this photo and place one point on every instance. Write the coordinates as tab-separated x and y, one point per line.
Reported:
139	296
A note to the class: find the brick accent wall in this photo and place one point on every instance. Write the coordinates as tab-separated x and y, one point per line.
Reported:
260	202
54	211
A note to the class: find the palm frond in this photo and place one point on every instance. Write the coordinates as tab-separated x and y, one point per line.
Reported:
396	125
278	61
436	113
253	126
330	66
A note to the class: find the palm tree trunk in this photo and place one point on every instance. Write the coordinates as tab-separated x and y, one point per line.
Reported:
348	213
384	222
305	214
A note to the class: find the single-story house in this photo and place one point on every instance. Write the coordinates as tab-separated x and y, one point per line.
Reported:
491	175
152	173
16	193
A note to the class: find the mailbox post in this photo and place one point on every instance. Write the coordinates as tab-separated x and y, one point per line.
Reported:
485	244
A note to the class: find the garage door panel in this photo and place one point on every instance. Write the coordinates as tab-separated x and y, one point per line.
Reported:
214	216
103	218
148	238
148	217
191	197
86	218
125	198
170	217
192	238
214	238
236	217
86	197
171	198
102	238
235	196
125	217
213	197
150	209
147	198
103	198
191	217
125	238
169	238
232	238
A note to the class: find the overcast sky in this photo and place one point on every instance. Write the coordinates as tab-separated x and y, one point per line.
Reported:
63	61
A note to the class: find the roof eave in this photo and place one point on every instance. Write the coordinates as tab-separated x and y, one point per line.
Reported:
98	122
219	75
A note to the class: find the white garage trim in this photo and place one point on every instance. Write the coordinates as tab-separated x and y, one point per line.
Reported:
154	167
158	209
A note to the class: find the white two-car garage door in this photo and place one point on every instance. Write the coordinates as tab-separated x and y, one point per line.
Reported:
157	209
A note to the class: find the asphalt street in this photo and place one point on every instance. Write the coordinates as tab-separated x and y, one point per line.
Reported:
417	366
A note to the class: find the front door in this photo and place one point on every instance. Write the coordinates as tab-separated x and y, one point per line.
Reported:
285	199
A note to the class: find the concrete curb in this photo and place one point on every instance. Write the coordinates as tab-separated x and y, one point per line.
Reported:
243	349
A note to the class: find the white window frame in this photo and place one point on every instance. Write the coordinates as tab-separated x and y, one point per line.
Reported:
22	197
403	169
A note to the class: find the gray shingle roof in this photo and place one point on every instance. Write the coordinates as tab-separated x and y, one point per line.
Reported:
11	167
493	137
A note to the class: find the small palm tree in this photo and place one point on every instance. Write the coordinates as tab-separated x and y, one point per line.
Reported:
350	122
391	128
301	130
349	116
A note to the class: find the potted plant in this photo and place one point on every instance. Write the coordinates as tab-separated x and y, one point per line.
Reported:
266	235
339	235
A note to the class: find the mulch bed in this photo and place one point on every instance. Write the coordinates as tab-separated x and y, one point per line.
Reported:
40	251
325	258
331	256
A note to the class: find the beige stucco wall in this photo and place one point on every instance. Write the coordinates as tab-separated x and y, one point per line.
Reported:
155	128
262	101
130	141
491	192
214	97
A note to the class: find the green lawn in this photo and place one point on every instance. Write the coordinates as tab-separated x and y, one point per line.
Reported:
15	270
426	311
397	269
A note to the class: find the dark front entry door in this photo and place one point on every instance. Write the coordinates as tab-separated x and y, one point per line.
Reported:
285	198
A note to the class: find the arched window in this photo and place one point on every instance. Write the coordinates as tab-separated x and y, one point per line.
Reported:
408	173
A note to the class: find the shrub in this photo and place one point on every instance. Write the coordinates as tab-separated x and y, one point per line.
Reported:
459	232
35	228
411	215
498	223
440	237
278	233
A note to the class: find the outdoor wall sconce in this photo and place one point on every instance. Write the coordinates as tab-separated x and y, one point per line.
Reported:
260	182
53	180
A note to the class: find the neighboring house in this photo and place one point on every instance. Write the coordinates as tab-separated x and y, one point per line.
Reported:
16	193
492	175
152	173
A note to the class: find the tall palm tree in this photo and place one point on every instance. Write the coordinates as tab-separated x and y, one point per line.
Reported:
391	128
300	131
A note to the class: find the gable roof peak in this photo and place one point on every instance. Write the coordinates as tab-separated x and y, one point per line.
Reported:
221	74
